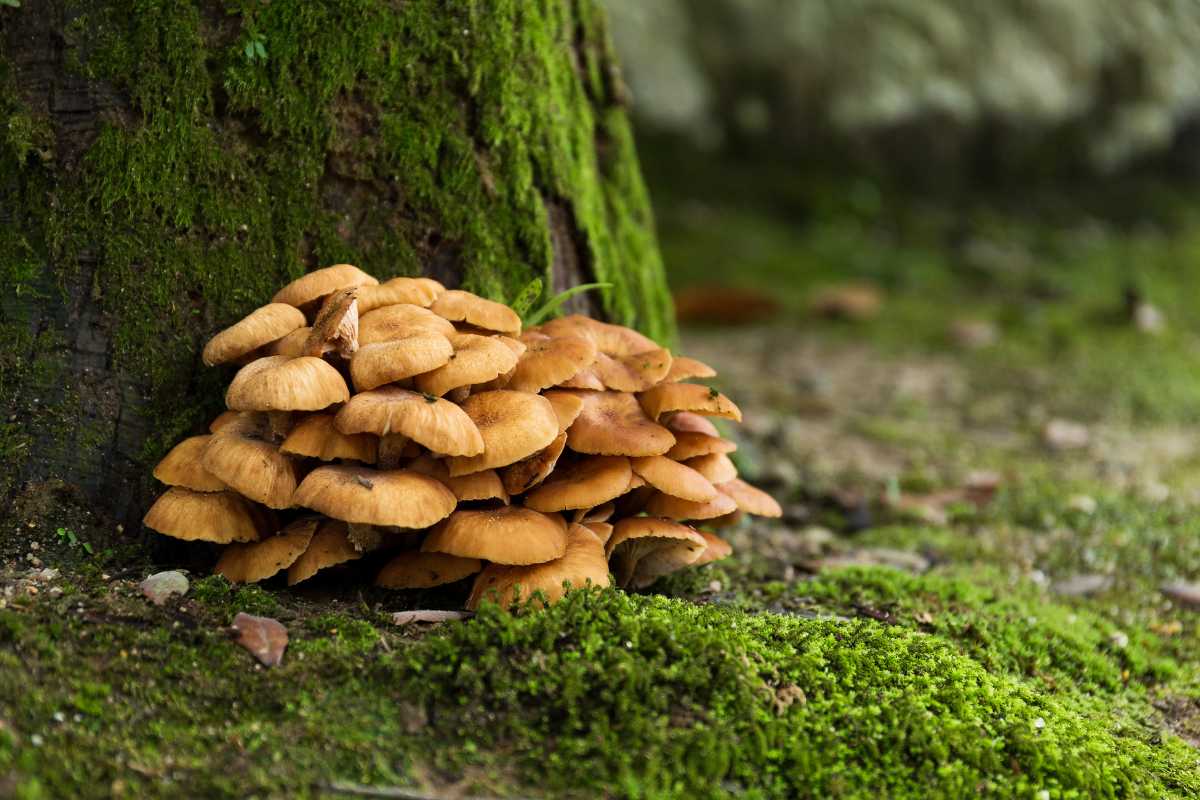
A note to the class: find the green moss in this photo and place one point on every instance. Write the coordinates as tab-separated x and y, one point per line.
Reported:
226	599
606	693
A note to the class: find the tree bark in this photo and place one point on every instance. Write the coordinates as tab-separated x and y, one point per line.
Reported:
165	165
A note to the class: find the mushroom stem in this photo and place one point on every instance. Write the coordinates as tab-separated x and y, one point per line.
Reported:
391	450
365	538
281	424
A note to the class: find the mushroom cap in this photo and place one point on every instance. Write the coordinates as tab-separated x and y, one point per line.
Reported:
586	483
221	517
665	505
750	499
260	327
529	472
312	287
399	321
615	340
585	379
292	345
279	383
184	466
600	513
684	368
725	520
257	561
414	569
431	421
603	530
384	362
694	397
715	549
223	419
329	546
413	291
689	444
550	361
316	436
375	497
567	406
514	425
671	477
613	424
688	422
475	359
459	306
335	326
242	456
581	565
717	467
505	535
643	549
483	485
635	372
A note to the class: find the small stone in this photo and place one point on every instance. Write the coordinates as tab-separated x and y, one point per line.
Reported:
973	334
265	638
1063	434
162	586
1082	503
1186	594
1082	585
714	586
1119	639
430	616
1039	723
1147	318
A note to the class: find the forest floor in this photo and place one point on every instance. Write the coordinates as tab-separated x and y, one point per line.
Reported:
981	585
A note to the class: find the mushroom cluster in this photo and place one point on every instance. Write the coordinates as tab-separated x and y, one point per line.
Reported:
423	427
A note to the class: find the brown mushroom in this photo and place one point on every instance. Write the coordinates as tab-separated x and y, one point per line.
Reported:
260	327
398	322
316	436
635	372
385	362
694	397
643	549
329	546
582	565
613	424
750	499
279	383
586	483
475	360
673	478
184	466
529	472
550	361
223	419
665	505
366	496
221	517
715	549
688	422
414	569
292	345
514	425
336	325
717	467
603	530
504	535
615	340
483	485
413	291
684	369
567	406
433	422
243	456
257	561
460	306
689	444
308	289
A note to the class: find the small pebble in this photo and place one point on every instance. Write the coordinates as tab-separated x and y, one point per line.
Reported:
1082	503
162	586
1119	639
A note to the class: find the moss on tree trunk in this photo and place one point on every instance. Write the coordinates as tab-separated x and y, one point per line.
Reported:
166	164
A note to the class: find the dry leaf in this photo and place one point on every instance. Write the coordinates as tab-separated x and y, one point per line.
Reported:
265	638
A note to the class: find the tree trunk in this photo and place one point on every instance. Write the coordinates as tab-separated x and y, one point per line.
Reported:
165	165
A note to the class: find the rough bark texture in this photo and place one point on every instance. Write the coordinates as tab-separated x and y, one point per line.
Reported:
166	164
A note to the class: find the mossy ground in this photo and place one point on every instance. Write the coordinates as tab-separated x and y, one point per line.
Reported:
982	674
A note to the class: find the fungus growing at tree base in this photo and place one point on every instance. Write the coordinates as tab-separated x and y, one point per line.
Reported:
436	441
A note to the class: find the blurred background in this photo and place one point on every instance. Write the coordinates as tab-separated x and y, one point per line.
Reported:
937	245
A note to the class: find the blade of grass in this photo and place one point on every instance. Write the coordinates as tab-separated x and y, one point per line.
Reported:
553	303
